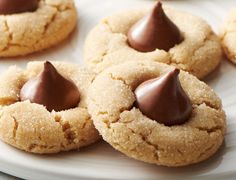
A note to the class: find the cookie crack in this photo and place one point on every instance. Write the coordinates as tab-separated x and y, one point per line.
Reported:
211	130
105	53
118	79
46	27
102	113
9	43
69	134
205	152
183	66
5	101
10	35
207	38
59	7
207	104
85	123
223	34
155	147
100	59
106	23
34	146
121	110
15	128
145	139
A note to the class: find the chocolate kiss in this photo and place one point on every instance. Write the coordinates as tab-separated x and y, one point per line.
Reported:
17	6
51	89
164	100
154	31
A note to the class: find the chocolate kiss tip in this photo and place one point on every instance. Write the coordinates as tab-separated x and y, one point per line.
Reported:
157	9
17	6
164	100
48	65
51	89
159	5
154	31
175	72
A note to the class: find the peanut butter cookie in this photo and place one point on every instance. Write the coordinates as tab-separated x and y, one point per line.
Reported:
34	25
169	36
43	108
149	112
228	36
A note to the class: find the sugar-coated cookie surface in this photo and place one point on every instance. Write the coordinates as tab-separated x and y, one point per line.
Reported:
228	35
31	127
199	53
25	33
111	104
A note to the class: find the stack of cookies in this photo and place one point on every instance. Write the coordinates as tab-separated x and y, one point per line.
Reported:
140	90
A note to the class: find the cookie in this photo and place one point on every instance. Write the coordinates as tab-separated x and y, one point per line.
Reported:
24	32
37	127
118	114
198	52
228	35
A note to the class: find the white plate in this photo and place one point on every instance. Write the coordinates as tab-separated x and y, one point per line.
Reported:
100	161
